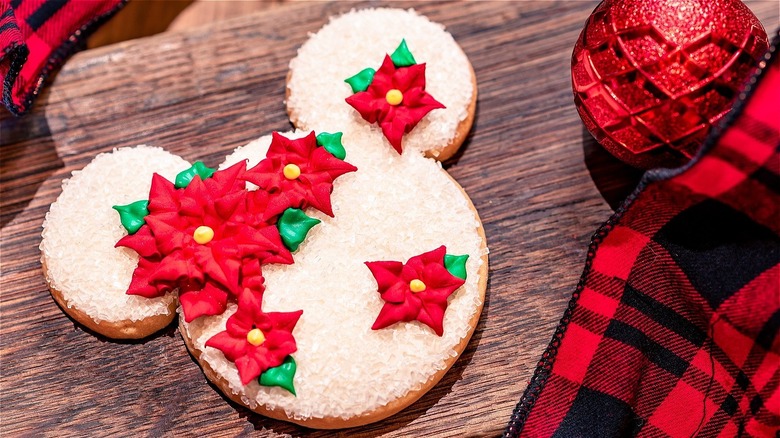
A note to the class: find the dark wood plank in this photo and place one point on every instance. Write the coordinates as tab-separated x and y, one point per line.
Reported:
202	93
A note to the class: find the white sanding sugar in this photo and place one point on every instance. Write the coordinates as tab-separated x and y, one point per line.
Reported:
394	207
81	229
360	39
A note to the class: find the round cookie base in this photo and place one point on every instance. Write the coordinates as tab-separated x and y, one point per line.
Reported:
123	329
380	413
439	153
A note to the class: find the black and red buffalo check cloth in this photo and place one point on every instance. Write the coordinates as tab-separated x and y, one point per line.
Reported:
673	328
35	38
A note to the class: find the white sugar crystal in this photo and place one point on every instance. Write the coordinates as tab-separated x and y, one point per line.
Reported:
394	207
360	39
81	229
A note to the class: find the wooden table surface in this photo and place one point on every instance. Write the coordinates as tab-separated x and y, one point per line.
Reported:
535	176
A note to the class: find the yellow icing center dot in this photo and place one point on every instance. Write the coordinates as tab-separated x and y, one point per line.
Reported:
291	171
255	337
203	234
394	97
416	285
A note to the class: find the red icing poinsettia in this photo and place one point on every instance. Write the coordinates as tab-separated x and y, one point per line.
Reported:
396	99
298	174
195	239
254	340
417	290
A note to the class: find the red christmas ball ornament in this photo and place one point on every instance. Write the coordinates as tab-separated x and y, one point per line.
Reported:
651	77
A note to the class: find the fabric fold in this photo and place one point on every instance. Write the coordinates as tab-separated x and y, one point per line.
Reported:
36	36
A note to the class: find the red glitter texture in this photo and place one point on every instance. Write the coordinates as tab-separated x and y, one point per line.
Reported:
651	77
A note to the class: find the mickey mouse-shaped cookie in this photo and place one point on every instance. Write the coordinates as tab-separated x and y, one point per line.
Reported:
327	277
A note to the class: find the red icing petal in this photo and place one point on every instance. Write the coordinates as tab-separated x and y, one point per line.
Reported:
255	206
420	104
264	244
321	198
192	198
239	324
303	147
139	284
384	79
279	202
205	259
227	205
279	344
266	175
174	268
211	300
169	238
385	273
394	131
249	368
226	181
285	321
370	108
392	313
268	355
431	257
252	275
409	77
280	145
432	315
162	195
397	292
249	302
232	347
327	167
141	242
439	280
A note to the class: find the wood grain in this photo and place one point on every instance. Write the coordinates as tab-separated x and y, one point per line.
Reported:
204	92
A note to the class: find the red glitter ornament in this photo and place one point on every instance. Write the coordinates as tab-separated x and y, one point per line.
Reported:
651	77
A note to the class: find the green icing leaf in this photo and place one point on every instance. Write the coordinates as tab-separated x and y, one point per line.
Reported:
402	57
281	376
332	144
362	80
456	264
293	226
184	177
132	215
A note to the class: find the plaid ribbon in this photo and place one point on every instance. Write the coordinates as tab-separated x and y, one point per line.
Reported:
35	38
673	328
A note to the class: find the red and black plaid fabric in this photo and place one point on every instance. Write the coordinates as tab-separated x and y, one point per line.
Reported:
35	38
673	329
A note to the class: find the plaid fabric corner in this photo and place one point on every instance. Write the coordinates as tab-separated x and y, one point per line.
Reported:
35	38
673	329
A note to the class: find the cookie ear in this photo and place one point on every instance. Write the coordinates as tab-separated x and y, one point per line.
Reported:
87	275
402	82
